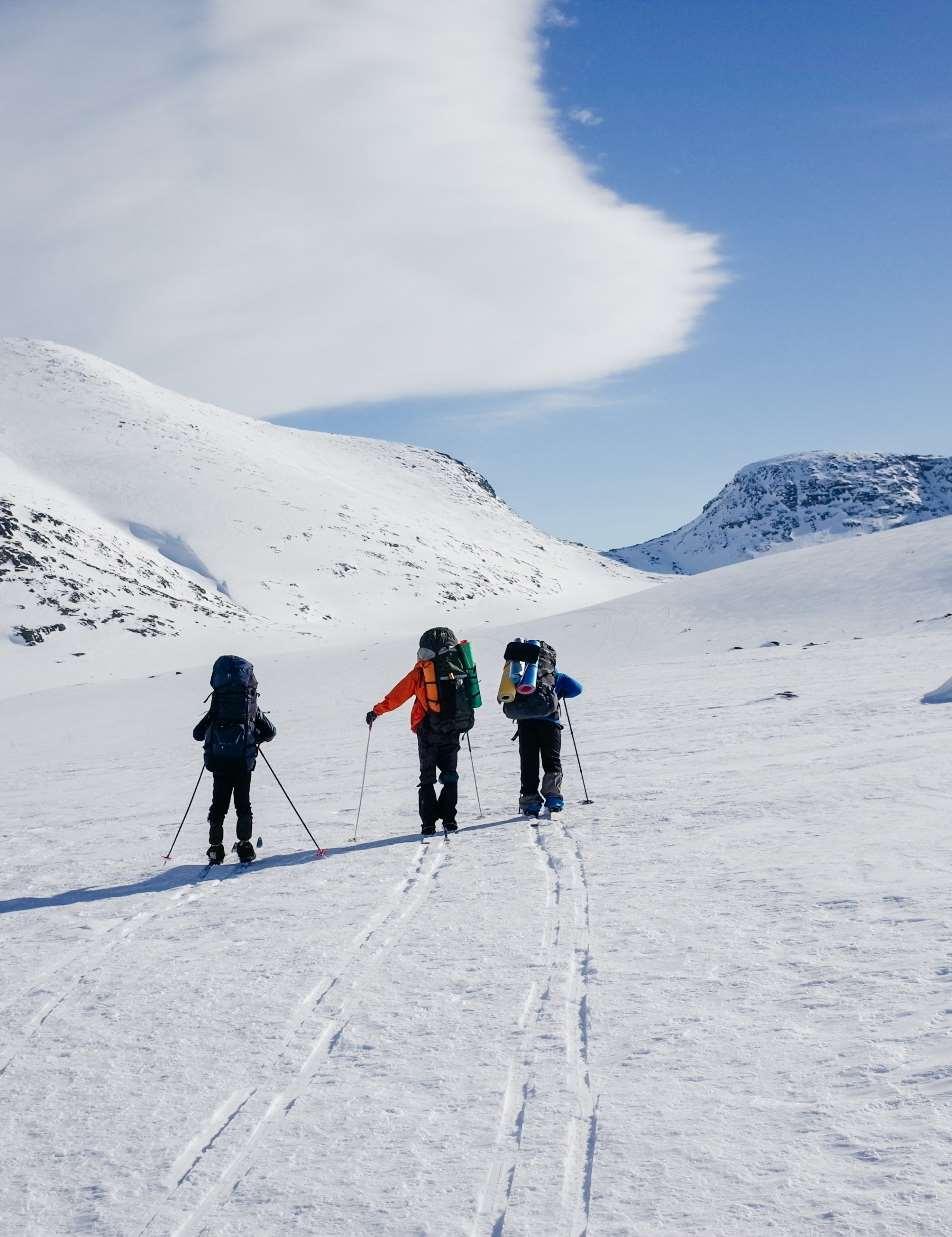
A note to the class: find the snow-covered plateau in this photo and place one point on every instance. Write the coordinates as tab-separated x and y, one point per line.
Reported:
715	1001
798	500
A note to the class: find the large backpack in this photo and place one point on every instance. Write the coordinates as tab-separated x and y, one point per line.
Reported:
448	678
543	702
231	732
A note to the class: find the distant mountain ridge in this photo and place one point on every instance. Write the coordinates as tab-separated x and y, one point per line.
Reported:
794	500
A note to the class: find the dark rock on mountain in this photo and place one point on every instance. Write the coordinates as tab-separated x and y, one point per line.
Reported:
797	500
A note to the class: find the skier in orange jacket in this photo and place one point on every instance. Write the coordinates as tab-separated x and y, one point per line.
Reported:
441	715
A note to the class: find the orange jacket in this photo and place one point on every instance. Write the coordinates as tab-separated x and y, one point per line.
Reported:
421	683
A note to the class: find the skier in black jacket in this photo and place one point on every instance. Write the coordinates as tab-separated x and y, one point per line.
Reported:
540	739
231	731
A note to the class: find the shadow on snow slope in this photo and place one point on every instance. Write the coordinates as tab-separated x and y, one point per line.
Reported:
159	882
188	874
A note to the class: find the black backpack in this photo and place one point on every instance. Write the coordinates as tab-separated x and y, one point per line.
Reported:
231	731
543	702
456	714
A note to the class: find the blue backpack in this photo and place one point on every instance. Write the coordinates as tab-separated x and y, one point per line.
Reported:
231	732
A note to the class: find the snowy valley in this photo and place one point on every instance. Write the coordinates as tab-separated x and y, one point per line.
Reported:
713	1001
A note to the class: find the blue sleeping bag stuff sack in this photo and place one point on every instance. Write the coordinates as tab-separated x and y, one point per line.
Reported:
543	702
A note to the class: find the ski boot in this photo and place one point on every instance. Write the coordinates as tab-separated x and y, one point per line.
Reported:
530	805
450	826
428	830
216	854
555	803
245	851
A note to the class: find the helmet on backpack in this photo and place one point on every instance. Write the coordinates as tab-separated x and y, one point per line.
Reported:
434	641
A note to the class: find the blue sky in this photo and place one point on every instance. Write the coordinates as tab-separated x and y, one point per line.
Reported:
815	139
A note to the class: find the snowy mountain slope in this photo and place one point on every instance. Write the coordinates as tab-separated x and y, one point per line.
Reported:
897	581
796	500
307	531
62	565
714	1001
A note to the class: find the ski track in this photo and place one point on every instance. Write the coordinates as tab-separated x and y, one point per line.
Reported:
364	955
582	1130
495	1196
564	952
111	938
724	1014
212	1129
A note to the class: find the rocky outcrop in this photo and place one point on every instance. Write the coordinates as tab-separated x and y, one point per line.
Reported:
57	577
795	500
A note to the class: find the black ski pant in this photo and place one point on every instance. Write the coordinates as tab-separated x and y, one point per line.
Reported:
438	752
233	780
540	740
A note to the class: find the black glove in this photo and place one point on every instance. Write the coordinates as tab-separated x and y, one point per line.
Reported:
370	718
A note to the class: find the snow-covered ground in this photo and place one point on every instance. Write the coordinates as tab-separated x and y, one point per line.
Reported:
715	1001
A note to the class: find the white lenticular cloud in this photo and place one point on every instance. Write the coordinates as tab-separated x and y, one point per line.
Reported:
312	202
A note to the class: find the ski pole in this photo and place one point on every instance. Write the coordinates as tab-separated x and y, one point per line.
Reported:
475	783
363	780
568	718
167	857
293	808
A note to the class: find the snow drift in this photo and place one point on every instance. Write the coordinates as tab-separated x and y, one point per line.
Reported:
62	568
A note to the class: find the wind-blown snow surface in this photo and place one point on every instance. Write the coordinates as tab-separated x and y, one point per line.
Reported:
249	524
715	1001
799	500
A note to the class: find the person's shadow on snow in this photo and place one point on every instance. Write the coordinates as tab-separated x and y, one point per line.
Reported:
187	874
159	882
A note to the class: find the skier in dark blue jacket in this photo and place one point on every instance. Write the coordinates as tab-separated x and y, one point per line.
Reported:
231	731
540	738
